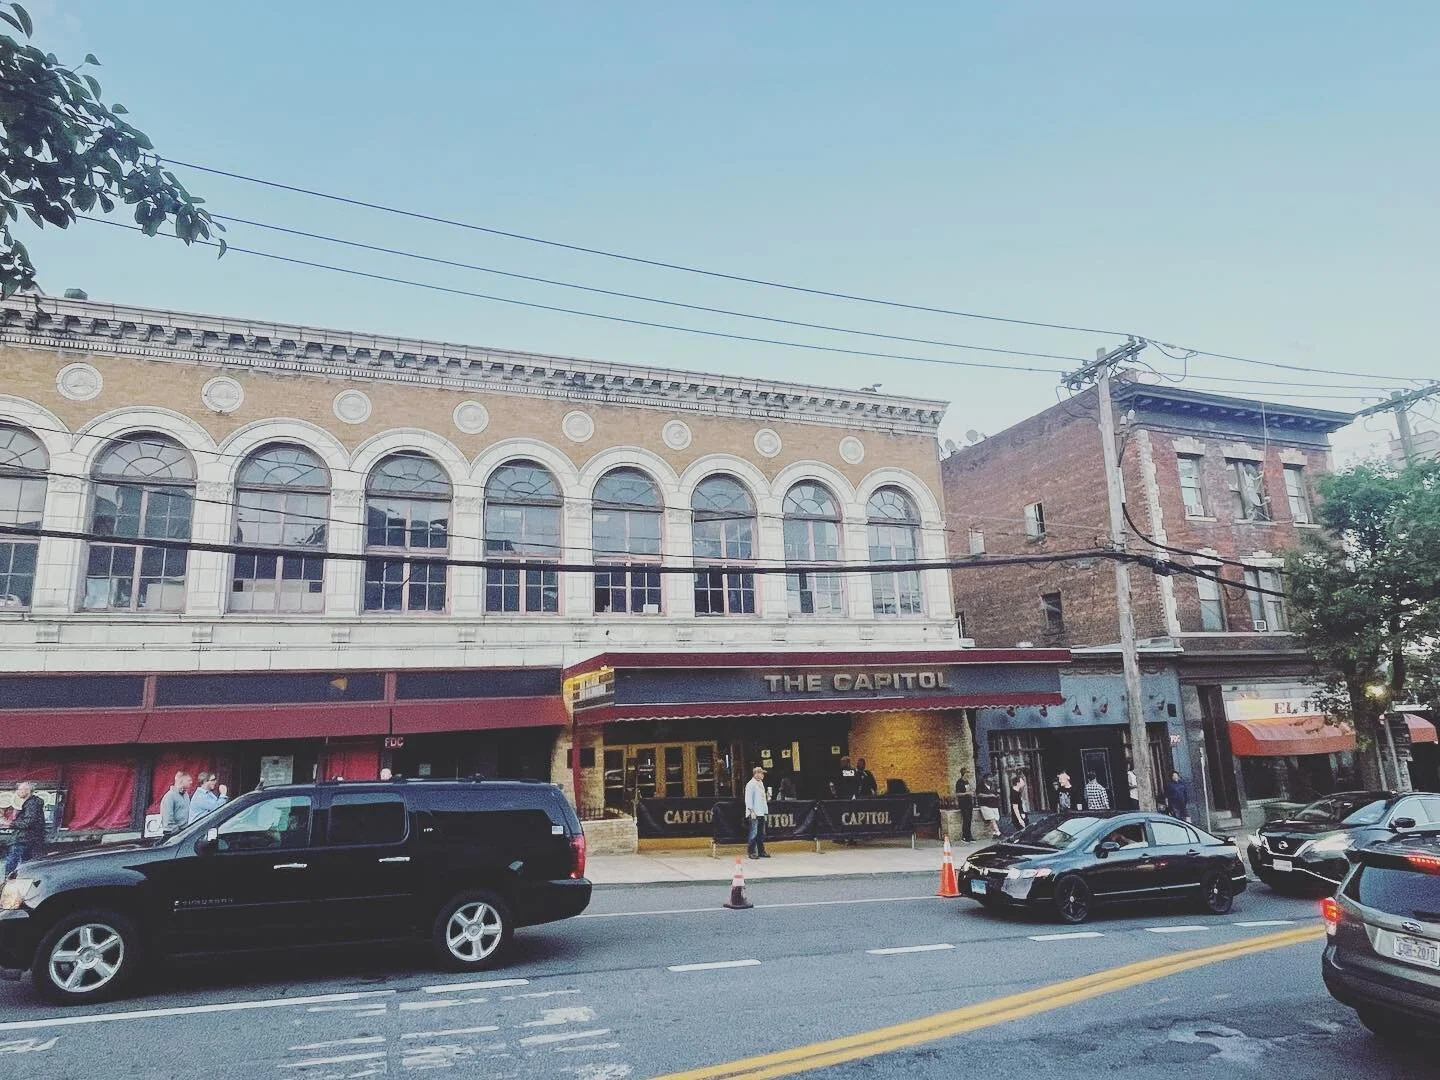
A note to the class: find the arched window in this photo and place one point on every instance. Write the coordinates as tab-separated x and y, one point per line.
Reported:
812	536
724	529
522	522
23	464
144	489
625	529
894	528
282	500
407	534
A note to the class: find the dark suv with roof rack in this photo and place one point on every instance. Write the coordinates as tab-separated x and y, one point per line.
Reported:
459	864
1382	956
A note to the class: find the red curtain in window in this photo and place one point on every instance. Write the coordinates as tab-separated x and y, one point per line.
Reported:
351	760
100	794
24	766
191	759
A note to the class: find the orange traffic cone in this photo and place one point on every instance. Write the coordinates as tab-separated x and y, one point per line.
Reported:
948	885
737	901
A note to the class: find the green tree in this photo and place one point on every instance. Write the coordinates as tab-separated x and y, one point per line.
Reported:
1366	590
63	151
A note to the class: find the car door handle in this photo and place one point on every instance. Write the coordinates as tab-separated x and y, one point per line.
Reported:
1146	858
395	858
292	866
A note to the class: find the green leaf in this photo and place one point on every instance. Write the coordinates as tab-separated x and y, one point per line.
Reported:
90	59
119	110
224	247
24	17
12	21
94	85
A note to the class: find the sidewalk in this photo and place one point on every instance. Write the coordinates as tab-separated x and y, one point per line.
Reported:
670	867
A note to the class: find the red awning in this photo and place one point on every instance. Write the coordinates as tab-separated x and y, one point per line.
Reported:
26	728
1421	730
1289	736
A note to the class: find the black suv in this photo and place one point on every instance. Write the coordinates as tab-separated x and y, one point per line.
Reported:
459	864
1308	851
1382	957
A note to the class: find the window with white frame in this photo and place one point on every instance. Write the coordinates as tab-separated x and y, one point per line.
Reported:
1191	489
282	504
723	530
1052	606
625	530
894	534
977	542
1297	492
522	523
407	534
23	467
1267	610
1247	491
1035	521
812	538
1212	606
144	489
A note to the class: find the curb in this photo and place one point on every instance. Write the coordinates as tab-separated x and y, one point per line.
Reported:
708	883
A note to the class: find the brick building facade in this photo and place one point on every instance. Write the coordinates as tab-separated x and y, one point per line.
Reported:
1220	477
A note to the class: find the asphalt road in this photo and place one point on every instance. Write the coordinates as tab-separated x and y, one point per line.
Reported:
629	991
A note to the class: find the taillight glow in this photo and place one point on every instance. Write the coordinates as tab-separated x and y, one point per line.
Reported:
1427	864
577	855
1330	910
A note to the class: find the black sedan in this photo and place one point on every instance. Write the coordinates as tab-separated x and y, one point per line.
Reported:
1069	863
1308	850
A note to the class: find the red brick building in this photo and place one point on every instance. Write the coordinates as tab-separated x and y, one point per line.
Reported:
1222	477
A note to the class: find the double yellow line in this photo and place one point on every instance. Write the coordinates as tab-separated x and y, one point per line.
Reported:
986	1013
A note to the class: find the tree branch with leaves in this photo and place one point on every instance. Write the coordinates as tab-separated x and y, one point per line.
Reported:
63	151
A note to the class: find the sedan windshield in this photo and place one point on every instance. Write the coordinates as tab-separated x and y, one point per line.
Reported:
1053	832
1357	809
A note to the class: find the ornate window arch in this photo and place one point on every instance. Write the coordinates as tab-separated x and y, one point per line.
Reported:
723	530
523	512
894	536
812	522
625	530
407	533
282	501
23	468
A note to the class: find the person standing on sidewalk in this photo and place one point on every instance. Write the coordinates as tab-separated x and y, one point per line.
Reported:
1177	797
988	799
1067	799
175	806
965	803
865	787
1096	797
756	807
1017	803
28	826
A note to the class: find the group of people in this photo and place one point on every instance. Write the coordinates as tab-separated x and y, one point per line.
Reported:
189	799
1066	799
854	782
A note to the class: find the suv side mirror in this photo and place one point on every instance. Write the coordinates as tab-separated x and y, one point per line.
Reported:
1106	847
209	843
1400	824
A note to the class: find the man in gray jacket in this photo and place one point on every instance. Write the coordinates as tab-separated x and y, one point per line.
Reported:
175	806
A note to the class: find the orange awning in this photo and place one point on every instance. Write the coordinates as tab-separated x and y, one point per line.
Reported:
1421	730
1287	736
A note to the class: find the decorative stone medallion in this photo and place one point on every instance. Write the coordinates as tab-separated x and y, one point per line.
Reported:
578	426
222	394
676	434
351	406
471	417
852	450
767	442
79	382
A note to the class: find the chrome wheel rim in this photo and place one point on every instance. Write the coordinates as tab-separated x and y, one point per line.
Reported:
474	931
87	958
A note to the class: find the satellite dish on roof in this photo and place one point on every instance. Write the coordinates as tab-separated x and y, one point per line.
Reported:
972	436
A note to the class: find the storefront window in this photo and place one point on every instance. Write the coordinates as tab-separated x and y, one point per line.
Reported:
23	463
625	529
522	522
407	517
1017	753
894	531
144	489
812	535
724	529
282	501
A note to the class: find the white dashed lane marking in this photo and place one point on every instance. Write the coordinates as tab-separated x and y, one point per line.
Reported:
716	965
193	1010
1071	936
908	949
367	1040
568	1036
456	988
1175	929
1268	922
339	1059
448	1032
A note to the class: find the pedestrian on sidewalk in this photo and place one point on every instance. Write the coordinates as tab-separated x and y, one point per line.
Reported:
28	828
1067	799
846	786
1096	797
175	806
988	799
1133	783
207	796
865	787
1017	802
1177	797
965	803
756	807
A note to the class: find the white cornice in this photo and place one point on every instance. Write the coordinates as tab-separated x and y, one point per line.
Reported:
91	326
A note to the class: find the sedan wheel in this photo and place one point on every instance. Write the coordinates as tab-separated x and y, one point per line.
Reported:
1072	900
88	956
1216	893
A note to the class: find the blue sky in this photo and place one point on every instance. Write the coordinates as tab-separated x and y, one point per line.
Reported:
1256	179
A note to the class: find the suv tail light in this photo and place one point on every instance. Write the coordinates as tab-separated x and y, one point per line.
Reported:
1330	910
1426	864
577	855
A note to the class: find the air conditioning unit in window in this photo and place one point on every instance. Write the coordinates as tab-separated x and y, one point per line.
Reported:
650	609
1260	625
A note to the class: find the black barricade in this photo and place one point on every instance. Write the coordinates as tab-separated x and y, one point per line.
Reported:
927	807
850	819
666	819
786	821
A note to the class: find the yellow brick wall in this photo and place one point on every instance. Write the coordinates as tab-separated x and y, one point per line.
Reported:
909	745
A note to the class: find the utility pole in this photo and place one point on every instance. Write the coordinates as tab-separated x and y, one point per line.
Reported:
1099	372
1399	403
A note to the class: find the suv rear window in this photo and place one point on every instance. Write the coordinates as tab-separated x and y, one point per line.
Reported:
1410	894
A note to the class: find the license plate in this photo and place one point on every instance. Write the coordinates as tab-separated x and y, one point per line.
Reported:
1284	865
1415	951
977	887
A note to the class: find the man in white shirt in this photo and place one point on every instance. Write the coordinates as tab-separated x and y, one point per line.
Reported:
1133	784
756	807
